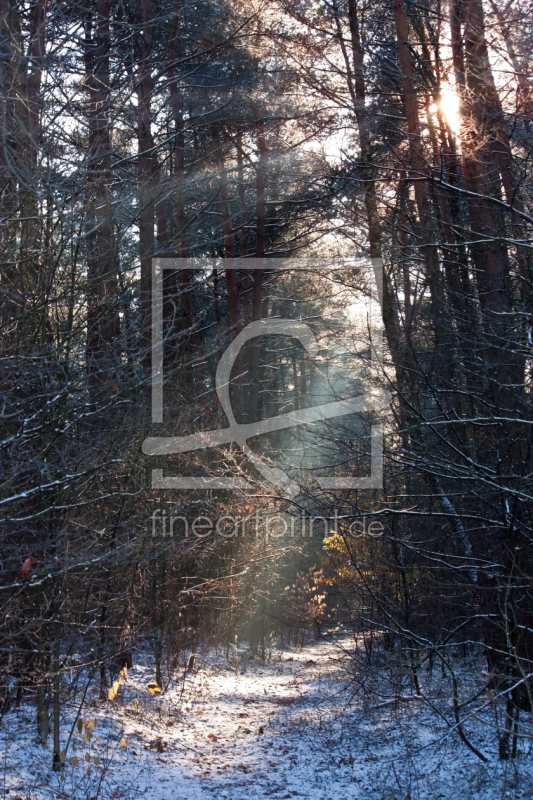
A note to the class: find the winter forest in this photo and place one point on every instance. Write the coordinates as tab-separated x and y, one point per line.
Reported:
266	320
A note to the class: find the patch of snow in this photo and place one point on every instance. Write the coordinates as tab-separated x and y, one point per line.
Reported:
293	727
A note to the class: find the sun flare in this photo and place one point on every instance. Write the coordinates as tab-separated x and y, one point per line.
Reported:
449	105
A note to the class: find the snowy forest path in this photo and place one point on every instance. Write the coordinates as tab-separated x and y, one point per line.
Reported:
304	723
242	730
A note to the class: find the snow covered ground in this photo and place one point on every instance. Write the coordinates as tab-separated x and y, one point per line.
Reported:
246	729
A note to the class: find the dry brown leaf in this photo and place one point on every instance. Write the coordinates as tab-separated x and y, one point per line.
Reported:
27	566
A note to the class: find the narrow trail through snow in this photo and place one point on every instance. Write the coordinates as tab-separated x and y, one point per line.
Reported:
294	726
242	731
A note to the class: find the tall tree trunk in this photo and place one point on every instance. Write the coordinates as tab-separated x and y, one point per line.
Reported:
184	310
56	696
357	87
103	325
260	234
420	175
475	83
146	177
524	104
260	247
22	274
229	246
243	234
506	162
31	232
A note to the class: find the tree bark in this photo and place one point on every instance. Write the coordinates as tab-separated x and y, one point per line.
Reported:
146	166
103	325
182	312
420	176
243	234
229	245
